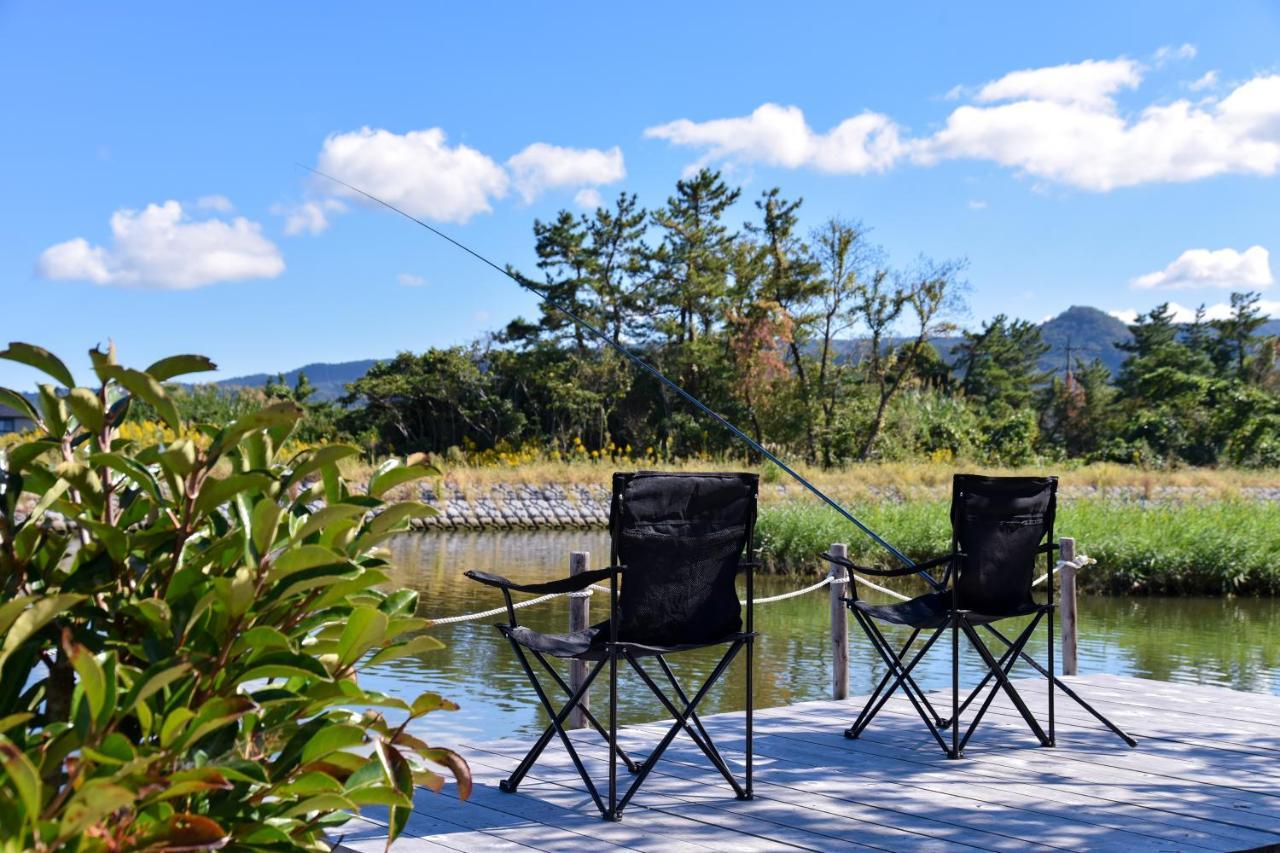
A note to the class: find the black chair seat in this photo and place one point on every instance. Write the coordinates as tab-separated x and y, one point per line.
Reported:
589	643
933	610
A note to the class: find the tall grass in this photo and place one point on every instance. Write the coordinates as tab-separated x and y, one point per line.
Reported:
1227	546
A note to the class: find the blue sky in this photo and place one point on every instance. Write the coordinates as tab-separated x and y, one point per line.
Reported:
1117	155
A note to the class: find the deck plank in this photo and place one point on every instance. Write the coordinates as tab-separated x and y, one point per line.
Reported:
1202	778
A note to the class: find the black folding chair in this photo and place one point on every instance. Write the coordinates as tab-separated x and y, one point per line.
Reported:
677	545
999	526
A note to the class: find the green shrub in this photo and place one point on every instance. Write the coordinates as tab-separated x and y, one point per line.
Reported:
1170	547
178	663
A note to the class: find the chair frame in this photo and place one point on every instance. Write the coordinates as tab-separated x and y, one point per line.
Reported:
616	651
959	622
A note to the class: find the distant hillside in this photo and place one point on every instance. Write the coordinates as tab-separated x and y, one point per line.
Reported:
1089	333
330	380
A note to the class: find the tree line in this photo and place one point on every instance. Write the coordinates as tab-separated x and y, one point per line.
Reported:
813	343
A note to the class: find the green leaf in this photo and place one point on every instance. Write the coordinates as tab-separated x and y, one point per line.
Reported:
258	639
14	400
22	455
366	627
87	408
416	646
309	461
215	714
149	391
285	664
320	803
331	739
34	618
428	702
54	409
266	520
325	516
401	601
137	472
303	557
174	725
41	359
179	365
214	493
153	680
93	802
22	775
379	484
92	678
378	795
180	456
394	514
308	785
277	414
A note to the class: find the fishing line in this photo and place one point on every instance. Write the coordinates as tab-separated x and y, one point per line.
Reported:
638	362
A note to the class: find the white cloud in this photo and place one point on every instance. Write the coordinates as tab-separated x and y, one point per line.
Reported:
408	279
977	204
1223	268
1087	144
778	135
1185	314
1208	80
309	217
589	198
162	247
1170	52
541	167
1093	83
1060	124
219	203
416	171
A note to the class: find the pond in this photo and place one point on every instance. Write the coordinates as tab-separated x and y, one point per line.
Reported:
1227	642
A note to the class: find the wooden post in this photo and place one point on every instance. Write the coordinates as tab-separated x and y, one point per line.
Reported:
839	626
1067	607
579	618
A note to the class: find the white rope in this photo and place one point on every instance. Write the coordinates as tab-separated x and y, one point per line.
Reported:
1079	563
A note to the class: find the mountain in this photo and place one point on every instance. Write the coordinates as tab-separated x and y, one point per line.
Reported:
330	380
1089	333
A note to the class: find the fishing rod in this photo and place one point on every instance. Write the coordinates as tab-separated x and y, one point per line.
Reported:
642	364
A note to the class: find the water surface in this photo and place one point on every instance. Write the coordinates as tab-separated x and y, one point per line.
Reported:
1226	642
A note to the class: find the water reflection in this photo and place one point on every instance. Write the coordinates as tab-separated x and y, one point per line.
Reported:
1232	643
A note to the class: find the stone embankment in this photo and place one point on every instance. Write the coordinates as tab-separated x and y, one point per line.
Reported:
516	508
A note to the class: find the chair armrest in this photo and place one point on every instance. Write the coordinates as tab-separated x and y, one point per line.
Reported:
938	561
749	564
1048	548
572	583
867	570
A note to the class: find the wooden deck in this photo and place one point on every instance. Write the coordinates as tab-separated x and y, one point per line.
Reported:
1205	776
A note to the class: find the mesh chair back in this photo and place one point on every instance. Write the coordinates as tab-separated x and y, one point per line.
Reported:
999	524
681	538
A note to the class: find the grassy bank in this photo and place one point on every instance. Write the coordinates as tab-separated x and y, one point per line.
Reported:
1222	546
859	483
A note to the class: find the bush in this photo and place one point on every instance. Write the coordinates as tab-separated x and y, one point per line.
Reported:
179	658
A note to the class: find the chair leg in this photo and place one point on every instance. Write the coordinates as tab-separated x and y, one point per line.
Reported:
750	721
903	677
1005	684
1049	646
557	724
1006	662
954	753
680	723
874	698
586	712
614	812
697	733
1071	694
874	704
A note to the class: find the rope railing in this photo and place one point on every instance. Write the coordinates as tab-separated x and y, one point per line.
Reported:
1078	563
